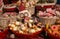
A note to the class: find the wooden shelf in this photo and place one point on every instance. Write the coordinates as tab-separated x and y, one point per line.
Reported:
45	4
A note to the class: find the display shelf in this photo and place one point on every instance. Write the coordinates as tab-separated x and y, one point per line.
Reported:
45	4
42	5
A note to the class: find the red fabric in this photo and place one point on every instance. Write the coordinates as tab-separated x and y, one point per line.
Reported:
33	38
0	2
14	1
6	1
21	7
50	6
3	34
10	9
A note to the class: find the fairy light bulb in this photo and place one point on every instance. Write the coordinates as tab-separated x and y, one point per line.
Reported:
32	30
12	25
15	28
17	23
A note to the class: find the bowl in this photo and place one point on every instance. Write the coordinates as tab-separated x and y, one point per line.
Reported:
25	36
53	34
25	31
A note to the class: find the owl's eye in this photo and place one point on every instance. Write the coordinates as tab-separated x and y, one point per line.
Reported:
26	14
21	15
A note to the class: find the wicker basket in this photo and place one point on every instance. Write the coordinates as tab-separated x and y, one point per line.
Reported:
4	21
49	21
31	10
3	26
12	19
